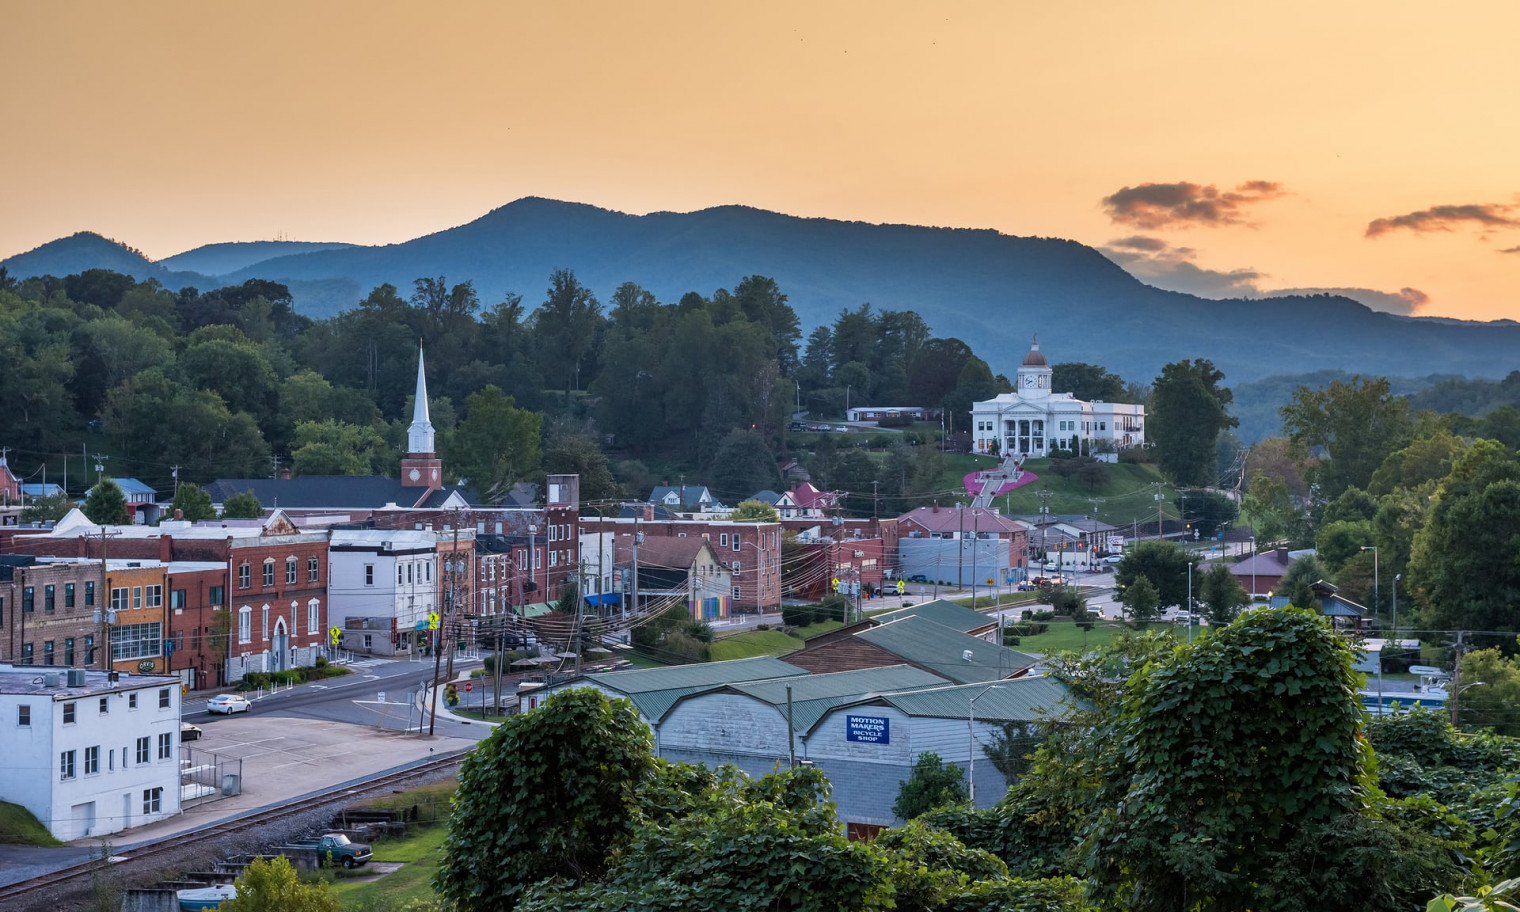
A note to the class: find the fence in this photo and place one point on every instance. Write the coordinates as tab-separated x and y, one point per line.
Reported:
206	776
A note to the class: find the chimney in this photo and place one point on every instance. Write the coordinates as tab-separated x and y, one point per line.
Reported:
1282	556
284	474
936	507
649	512
179	515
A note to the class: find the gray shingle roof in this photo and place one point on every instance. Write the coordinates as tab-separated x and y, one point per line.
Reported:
942	650
814	695
655	690
327	492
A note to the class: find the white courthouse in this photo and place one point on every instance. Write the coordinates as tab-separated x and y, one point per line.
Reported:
1035	422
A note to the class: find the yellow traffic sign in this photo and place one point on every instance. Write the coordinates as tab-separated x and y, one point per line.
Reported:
335	635
432	620
900	587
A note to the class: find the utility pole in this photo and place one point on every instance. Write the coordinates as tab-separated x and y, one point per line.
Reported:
1160	502
1045	496
458	565
1092	546
103	604
1456	680
100	468
874	485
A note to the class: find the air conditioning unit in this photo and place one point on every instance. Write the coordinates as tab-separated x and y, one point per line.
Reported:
50	681
76	677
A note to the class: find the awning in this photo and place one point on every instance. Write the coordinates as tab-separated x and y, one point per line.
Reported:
606	598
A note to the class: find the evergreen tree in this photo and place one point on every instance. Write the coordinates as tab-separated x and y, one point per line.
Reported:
106	505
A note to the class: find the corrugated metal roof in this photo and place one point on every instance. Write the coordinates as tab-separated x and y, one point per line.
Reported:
940	611
943	650
814	695
655	690
1019	700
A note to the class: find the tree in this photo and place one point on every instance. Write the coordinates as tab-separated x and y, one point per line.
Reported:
1355	424
496	445
242	506
1221	595
47	509
1087	382
1065	600
1272	511
106	505
192	503
1338	542
1207	513
1242	778
1164	563
754	511
272	885
1140	601
1296	582
565	324
932	784
1462	568
579	454
548	795
1491	706
334	448
742	466
1187	410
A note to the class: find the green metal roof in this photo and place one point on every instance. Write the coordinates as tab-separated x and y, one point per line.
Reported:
943	650
813	696
940	611
655	690
1018	700
533	609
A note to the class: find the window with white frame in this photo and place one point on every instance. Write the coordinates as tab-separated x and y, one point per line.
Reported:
245	575
153	596
245	624
369	574
265	626
290	571
736	566
66	765
143	746
153	801
312	620
268	572
313	570
736	592
121	597
723	539
136	641
92	760
165	746
736	541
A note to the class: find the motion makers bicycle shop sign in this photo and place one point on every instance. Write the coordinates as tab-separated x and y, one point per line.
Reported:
868	729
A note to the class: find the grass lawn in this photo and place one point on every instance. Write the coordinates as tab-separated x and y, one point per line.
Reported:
754	643
1126	490
18	827
768	642
417	851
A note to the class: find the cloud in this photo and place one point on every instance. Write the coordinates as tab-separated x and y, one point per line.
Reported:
1510	250
1445	218
1183	204
1157	263
1406	301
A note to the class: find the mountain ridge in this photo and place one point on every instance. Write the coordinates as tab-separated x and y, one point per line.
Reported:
990	289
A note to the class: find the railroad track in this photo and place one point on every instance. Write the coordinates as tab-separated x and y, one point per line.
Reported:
227	827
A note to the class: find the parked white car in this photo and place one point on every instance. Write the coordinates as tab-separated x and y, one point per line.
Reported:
228	704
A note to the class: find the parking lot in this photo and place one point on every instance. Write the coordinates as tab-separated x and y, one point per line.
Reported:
285	757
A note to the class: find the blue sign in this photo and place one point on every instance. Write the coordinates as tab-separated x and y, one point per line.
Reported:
868	729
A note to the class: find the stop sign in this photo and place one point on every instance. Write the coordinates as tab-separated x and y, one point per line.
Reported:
468	687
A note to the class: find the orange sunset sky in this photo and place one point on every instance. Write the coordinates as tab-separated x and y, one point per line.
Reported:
1223	149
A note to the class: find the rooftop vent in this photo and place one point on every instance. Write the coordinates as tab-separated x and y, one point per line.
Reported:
966	655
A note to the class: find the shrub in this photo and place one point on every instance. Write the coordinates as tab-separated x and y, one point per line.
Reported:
798	615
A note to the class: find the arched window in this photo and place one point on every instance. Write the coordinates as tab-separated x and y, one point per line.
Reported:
268	571
245	623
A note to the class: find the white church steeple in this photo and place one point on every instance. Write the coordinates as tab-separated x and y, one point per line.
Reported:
419	437
421	468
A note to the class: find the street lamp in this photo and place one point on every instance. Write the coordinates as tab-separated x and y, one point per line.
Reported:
1253	568
971	743
1396	578
1373	549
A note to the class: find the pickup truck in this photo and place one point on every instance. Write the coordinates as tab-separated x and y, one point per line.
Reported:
335	848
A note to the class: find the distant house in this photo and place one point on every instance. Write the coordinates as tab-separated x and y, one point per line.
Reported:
1261	574
685	498
10	485
812	503
685	569
784	504
34	491
142	500
878	412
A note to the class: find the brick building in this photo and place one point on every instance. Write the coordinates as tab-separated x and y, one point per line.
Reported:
750	551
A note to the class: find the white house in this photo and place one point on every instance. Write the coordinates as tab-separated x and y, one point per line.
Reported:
87	752
383	588
1034	421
